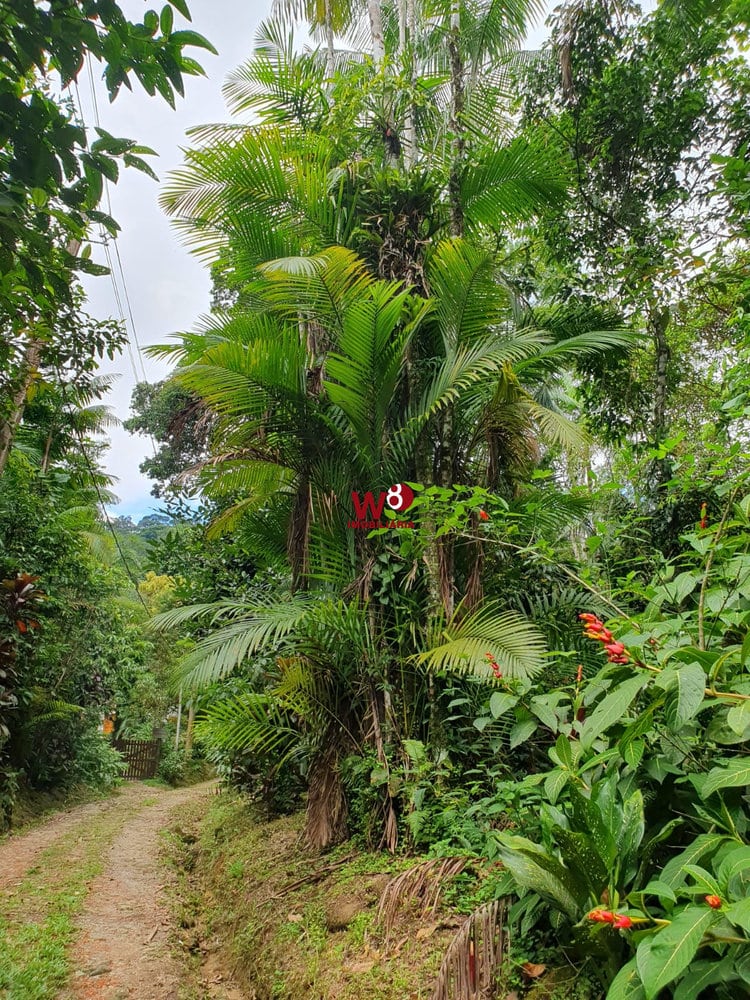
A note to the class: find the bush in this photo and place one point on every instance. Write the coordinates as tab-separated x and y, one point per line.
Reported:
96	762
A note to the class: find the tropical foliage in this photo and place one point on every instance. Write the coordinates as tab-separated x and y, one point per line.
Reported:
456	468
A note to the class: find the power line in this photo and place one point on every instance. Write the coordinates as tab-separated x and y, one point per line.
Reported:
133	327
108	522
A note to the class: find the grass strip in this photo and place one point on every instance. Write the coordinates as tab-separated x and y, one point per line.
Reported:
37	918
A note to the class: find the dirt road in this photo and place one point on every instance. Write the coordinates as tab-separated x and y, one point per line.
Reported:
98	867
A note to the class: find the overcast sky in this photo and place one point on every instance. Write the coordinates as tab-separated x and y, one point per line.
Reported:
168	289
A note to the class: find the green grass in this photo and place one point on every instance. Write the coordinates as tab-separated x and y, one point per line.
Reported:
37	925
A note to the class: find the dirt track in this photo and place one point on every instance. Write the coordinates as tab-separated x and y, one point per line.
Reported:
123	945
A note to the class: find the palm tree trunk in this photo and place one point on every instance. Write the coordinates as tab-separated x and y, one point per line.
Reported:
11	424
330	49
408	13
376	31
325	818
458	100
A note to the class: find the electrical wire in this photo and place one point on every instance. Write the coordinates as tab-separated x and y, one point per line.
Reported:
108	522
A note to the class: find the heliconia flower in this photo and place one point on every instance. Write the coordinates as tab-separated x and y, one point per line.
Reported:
615	648
585	616
713	901
602	916
622	923
579	673
493	664
484	515
602	635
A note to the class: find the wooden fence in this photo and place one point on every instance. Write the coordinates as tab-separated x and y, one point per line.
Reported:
141	757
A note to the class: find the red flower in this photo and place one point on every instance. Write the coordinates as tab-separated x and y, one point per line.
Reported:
484	515
616	652
713	901
602	917
622	923
494	664
586	617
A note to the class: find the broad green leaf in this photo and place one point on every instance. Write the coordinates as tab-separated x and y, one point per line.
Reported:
734	774
482	723
563	753
181	38
662	957
554	784
630	832
742	966
702	974
738	717
582	859
682	585
611	709
706	843
745	652
533	868
703	880
182	7
166	21
736	861
685	686
739	914
588	817
542	710
627	984
660	889
718	598
521	731
501	702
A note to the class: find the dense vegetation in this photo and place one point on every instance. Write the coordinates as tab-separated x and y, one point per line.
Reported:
457	467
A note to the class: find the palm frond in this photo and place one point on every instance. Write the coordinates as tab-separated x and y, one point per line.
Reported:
509	185
261	627
468	297
514	643
250	723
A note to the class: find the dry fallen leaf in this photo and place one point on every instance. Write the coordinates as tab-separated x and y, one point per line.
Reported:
425	932
359	967
532	971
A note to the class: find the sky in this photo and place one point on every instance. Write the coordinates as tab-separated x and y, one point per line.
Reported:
165	286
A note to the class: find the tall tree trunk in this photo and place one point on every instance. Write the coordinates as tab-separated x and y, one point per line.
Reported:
330	48
325	818
658	322
11	424
456	124
190	730
47	452
376	31
411	152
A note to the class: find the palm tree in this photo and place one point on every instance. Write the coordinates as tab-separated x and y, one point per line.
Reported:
372	347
